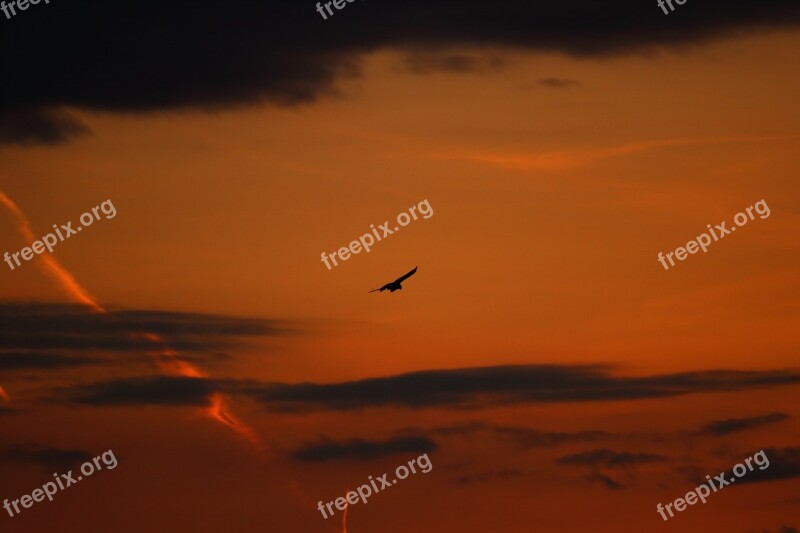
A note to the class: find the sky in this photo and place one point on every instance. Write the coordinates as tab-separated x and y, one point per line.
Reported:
554	374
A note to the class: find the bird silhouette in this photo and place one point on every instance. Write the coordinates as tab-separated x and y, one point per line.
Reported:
394	285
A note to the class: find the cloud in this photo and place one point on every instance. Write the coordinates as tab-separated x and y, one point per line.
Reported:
606	481
52	326
40	361
782	529
459	388
604	458
39	126
49	458
784	463
502	385
146	390
558	83
534	438
427	62
198	54
489	476
329	450
735	425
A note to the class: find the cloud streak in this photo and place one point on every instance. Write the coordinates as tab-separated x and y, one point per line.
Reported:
736	425
74	327
362	450
504	385
48	458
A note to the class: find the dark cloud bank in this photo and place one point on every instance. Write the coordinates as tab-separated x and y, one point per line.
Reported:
47	326
458	388
133	56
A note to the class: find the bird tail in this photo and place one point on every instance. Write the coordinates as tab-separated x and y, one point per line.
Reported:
373	290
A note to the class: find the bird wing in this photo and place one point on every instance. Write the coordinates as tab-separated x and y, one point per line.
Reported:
405	277
382	288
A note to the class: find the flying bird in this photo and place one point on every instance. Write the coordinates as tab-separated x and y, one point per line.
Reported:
394	285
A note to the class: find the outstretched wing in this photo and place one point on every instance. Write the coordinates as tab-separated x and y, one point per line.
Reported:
400	280
381	289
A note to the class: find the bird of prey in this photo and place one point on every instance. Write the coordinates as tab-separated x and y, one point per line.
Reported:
394	285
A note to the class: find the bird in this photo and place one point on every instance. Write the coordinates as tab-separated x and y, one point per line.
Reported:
394	285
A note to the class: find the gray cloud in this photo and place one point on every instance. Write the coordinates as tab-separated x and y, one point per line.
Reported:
735	425
117	56
481	387
49	458
426	62
41	361
39	126
460	388
784	463
357	449
147	390
606	481
604	458
73	327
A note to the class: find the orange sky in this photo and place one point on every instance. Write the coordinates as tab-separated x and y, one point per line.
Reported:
550	207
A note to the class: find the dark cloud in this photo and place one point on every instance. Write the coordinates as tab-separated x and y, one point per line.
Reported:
782	529
784	463
74	327
147	390
489	476
534	438
428	62
606	481
735	425
49	458
480	387
40	361
329	450
129	56
558	83
604	458
39	126
475	388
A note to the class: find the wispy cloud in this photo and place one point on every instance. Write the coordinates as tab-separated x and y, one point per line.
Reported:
357	449
50	326
567	159
735	425
49	458
606	458
502	385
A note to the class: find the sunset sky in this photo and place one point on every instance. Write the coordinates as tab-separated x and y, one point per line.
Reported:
556	375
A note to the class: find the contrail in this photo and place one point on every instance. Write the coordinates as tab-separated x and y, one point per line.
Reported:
51	266
168	360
